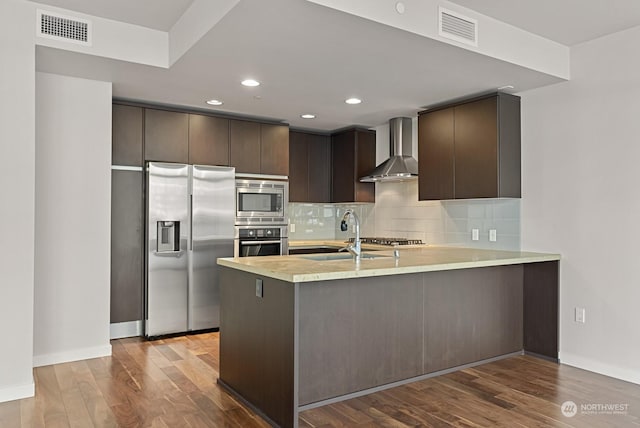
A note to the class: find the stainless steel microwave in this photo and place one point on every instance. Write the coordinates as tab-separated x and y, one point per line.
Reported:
261	201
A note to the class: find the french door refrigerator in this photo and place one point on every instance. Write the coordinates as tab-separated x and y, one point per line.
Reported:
190	212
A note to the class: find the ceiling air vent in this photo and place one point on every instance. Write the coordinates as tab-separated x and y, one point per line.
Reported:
64	28
455	26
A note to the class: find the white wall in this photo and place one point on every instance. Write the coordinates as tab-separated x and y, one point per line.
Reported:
581	198
17	144
73	205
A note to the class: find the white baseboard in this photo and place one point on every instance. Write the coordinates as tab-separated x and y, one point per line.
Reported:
69	356
17	392
628	375
120	330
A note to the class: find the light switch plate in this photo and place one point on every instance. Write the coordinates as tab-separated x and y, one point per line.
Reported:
580	315
292	228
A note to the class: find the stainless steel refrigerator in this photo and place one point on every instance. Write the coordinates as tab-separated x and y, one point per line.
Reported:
190	212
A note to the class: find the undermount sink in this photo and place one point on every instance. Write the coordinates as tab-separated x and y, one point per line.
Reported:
342	256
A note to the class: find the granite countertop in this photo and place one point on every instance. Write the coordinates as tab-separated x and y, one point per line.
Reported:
300	268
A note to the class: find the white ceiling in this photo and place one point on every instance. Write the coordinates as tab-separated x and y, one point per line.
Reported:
156	14
309	59
568	22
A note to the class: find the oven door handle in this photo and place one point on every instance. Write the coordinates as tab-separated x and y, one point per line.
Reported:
259	242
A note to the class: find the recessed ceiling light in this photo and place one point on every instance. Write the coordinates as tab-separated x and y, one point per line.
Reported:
250	82
353	101
214	102
308	116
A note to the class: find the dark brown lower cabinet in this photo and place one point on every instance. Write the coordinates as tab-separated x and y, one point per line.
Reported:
299	344
127	245
257	343
541	308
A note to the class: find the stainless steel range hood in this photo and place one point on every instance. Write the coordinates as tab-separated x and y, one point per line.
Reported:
401	165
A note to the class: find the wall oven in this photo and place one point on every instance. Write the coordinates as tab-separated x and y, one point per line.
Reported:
261	241
261	202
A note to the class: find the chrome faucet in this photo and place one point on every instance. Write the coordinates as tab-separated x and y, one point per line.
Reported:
354	248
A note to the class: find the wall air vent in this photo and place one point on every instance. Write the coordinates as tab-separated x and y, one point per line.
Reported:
64	28
455	26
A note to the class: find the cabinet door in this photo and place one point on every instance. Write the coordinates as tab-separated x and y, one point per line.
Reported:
127	135
208	140
166	136
274	149
298	167
319	168
126	246
353	154
476	149
365	162
244	146
436	155
343	159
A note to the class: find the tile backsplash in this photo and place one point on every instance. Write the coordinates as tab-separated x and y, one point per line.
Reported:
322	221
397	213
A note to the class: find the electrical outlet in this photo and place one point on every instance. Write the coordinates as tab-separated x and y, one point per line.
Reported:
292	228
580	315
475	234
493	235
353	228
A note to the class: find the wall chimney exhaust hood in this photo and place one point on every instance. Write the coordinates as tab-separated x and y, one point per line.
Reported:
401	165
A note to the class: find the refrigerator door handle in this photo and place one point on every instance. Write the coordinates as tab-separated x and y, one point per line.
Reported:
191	222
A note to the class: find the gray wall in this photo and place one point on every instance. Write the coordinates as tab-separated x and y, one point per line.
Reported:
73	188
17	196
580	157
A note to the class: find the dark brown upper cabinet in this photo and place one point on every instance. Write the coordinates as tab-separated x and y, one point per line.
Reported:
309	167
208	140
127	134
259	148
353	154
244	146
274	149
470	149
166	136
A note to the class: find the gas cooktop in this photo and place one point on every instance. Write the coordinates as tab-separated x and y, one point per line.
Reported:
388	241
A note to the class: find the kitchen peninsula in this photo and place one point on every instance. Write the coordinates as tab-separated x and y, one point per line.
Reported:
302	331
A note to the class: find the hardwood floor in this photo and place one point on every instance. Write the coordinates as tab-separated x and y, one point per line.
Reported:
172	383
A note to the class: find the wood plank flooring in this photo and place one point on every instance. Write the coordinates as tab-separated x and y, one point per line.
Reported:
172	383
